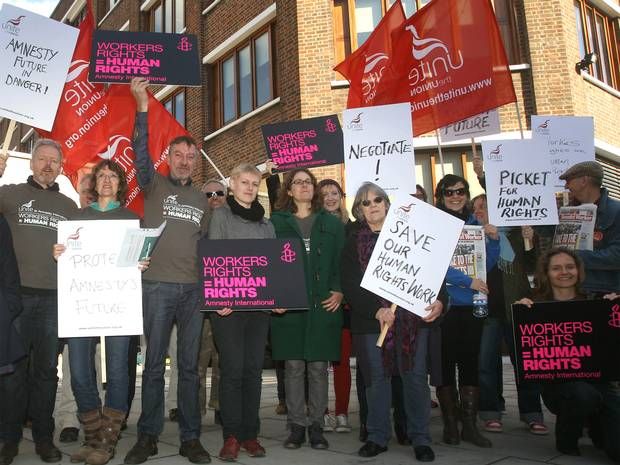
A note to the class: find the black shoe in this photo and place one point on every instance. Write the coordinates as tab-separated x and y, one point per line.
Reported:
217	418
8	452
568	448
371	449
296	438
69	434
194	451
315	435
424	454
173	414
363	433
142	450
47	451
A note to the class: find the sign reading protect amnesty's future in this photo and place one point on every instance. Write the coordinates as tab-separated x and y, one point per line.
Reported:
567	341
252	274
118	56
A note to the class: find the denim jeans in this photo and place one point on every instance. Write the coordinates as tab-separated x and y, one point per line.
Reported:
84	376
490	376
31	389
165	303
611	419
417	396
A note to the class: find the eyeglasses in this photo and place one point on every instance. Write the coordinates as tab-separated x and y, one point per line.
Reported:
300	182
450	192
212	195
376	200
109	177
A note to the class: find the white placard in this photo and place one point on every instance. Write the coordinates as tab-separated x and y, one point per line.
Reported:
484	124
569	140
412	254
35	53
95	296
519	185
378	147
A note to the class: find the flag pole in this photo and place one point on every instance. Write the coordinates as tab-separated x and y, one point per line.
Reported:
440	152
527	243
213	165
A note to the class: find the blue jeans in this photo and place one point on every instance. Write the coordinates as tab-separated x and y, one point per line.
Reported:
84	378
490	376
165	303
31	388
611	419
417	394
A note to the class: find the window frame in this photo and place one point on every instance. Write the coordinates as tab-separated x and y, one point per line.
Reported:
171	99
173	19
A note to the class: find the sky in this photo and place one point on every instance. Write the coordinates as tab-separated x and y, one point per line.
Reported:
42	7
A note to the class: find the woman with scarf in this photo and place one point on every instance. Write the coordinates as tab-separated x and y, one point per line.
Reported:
405	349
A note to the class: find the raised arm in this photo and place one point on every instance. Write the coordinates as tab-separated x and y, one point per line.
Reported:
144	165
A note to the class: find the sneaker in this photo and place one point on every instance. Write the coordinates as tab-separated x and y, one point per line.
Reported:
342	424
315	435
253	448
69	434
329	422
230	450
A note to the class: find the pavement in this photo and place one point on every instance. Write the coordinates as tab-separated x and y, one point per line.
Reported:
515	446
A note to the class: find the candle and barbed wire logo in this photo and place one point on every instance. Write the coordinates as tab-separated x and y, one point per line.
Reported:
288	255
330	126
614	316
184	45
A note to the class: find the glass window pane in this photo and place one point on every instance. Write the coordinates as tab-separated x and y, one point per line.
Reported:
263	69
158	19
179	15
603	51
179	108
591	42
580	35
168	106
409	6
168	16
367	16
245	80
228	89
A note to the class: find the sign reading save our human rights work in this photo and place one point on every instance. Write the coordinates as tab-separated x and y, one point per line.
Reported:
567	341
35	53
252	274
118	56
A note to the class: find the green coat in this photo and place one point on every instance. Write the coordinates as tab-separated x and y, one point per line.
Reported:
311	335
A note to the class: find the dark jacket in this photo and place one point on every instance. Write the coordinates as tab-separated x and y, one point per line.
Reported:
311	335
11	347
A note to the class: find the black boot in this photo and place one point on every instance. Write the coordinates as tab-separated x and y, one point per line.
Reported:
296	438
469	412
449	412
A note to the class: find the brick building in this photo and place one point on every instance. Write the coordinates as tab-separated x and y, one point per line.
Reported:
271	60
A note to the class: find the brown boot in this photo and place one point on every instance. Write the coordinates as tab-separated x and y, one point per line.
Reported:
449	411
469	408
91	422
107	437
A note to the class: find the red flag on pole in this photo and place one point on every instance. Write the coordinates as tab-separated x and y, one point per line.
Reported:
367	68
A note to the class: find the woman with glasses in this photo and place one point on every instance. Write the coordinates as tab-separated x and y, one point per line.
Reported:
461	331
308	340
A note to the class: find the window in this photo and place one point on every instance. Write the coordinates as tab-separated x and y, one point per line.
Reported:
244	78
75	22
27	143
168	16
175	104
598	33
112	3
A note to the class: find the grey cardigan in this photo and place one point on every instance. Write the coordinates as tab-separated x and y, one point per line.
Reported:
225	224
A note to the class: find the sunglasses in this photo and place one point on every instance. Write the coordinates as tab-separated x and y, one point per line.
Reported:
376	200
450	192
212	195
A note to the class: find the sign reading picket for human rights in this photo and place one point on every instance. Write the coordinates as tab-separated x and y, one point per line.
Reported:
484	124
35	53
520	190
568	139
569	341
378	148
412	253
252	274
166	59
96	296
305	143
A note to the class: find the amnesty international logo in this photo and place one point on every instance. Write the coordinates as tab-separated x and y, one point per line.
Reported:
288	255
614	317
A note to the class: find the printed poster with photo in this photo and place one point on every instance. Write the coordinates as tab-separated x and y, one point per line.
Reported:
470	253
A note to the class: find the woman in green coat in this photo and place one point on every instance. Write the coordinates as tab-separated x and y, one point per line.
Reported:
308	340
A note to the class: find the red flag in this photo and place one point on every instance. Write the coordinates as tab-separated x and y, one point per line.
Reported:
452	62
367	68
78	125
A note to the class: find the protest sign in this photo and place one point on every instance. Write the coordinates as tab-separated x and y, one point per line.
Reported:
575	230
305	143
96	297
412	254
484	124
575	340
568	140
118	56
378	147
35	53
470	254
519	187
252	274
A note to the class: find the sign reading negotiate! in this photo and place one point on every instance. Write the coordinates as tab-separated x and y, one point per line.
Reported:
567	341
118	56
252	274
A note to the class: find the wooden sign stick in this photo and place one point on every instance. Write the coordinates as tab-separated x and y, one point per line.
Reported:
7	139
385	328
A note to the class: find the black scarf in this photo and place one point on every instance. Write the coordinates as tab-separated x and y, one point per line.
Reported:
255	213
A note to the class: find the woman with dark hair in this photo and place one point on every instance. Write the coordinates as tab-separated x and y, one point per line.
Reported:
558	277
308	340
420	193
461	330
101	425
